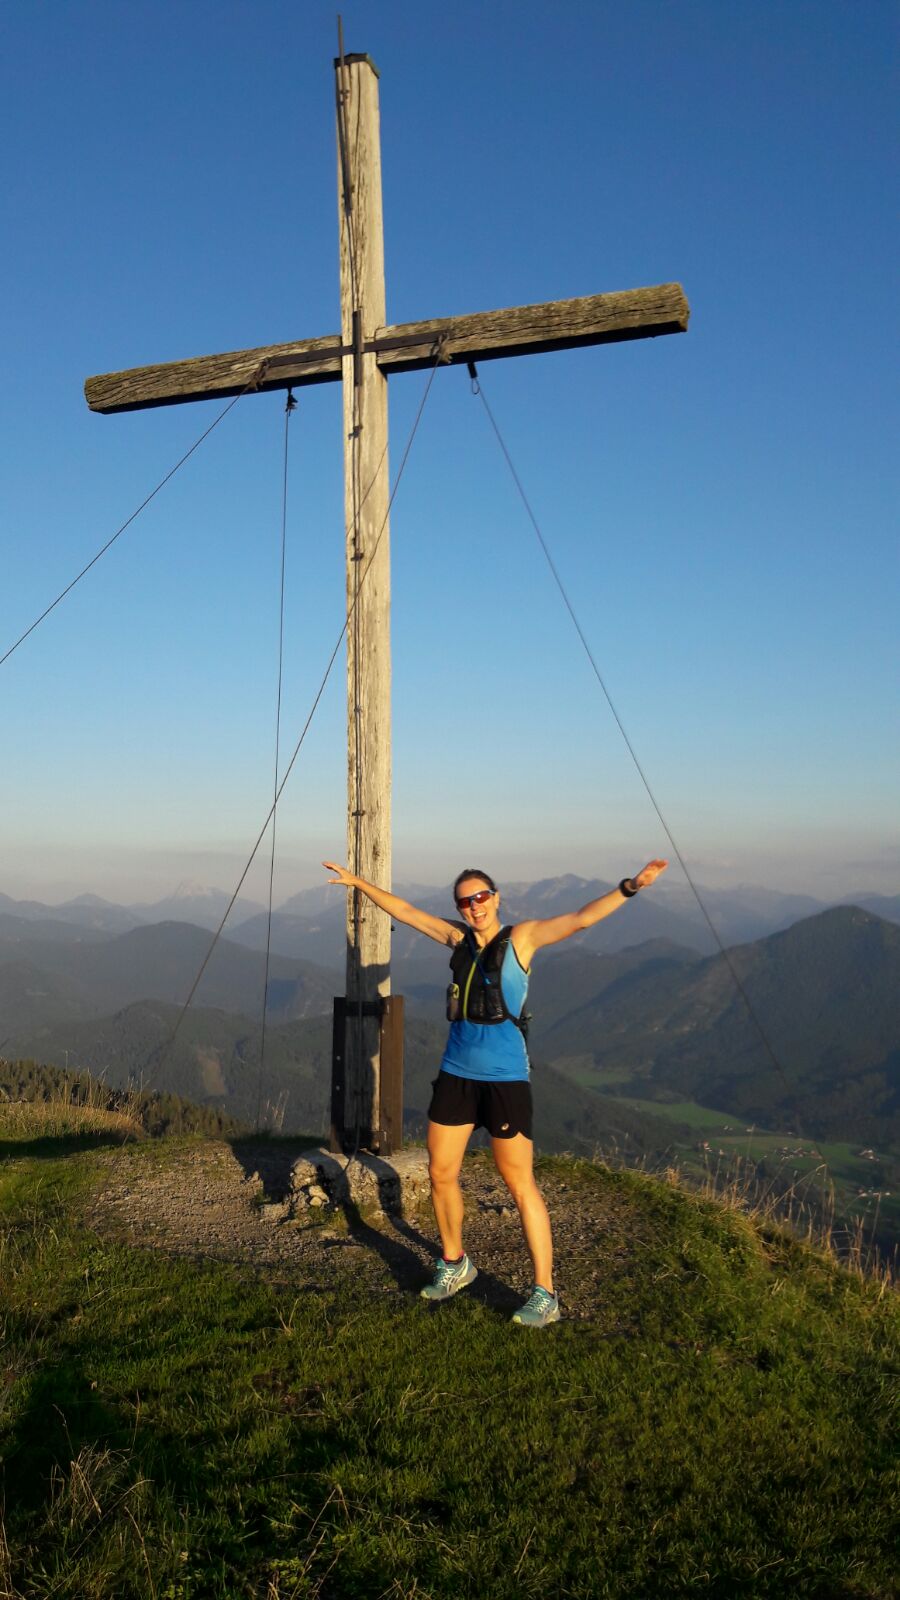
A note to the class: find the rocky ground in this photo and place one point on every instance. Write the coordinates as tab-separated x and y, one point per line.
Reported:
243	1204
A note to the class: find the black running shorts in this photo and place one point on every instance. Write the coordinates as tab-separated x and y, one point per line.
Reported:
503	1108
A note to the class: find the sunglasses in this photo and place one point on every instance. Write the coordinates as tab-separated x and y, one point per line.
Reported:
467	900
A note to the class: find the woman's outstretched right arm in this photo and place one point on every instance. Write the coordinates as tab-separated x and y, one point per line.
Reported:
399	910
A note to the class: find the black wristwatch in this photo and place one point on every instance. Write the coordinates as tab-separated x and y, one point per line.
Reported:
625	890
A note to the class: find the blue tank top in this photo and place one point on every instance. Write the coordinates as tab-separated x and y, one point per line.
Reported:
493	1052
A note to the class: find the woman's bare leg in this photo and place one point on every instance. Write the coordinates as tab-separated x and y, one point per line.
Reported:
514	1161
446	1148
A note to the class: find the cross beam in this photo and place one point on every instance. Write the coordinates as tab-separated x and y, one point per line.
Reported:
405	347
367	1110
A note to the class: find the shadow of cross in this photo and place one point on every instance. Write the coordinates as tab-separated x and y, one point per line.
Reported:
362	357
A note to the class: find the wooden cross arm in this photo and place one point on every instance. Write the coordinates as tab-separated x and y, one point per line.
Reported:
528	330
481	336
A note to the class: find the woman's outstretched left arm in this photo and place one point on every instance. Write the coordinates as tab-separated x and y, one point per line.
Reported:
528	937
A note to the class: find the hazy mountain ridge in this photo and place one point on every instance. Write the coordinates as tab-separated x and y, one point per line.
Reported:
307	920
566	982
827	994
31	999
21	933
825	990
194	903
157	962
86	911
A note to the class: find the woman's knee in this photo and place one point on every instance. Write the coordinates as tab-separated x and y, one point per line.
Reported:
521	1185
446	1149
514	1161
522	1193
442	1172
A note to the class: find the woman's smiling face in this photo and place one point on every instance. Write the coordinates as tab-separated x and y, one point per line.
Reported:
477	903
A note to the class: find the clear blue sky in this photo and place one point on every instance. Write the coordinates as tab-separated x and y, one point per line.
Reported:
722	505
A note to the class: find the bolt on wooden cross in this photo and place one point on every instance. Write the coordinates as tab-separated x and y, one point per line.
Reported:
367	1103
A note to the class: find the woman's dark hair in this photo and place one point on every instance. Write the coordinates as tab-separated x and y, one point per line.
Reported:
474	872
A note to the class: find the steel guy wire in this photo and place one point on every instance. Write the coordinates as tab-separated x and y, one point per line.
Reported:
290	406
164	1049
478	391
129	520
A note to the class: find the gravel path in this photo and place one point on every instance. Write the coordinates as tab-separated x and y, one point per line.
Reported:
215	1201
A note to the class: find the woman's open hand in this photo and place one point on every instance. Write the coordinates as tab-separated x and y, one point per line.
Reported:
643	880
343	876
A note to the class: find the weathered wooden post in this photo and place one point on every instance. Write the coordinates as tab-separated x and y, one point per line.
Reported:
358	1070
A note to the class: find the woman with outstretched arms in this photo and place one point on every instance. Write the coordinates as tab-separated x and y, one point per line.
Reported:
484	1076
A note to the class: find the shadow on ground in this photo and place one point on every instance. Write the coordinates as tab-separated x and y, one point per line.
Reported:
54	1147
398	1241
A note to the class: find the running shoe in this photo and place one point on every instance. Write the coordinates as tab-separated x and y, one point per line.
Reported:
539	1311
449	1278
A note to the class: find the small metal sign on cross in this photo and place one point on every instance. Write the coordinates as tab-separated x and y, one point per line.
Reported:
367	1059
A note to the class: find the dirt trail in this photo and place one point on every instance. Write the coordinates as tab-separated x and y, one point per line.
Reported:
215	1201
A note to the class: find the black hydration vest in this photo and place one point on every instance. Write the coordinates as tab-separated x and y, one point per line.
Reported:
476	993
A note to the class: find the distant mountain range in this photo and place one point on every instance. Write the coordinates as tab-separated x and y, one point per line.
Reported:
310	925
823	1050
85	984
190	902
51	980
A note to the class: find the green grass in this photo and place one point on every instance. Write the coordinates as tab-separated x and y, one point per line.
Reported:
584	1071
723	1428
700	1117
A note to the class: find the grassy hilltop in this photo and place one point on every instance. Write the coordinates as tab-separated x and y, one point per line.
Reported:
721	1424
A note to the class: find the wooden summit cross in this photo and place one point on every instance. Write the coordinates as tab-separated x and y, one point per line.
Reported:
367	1104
